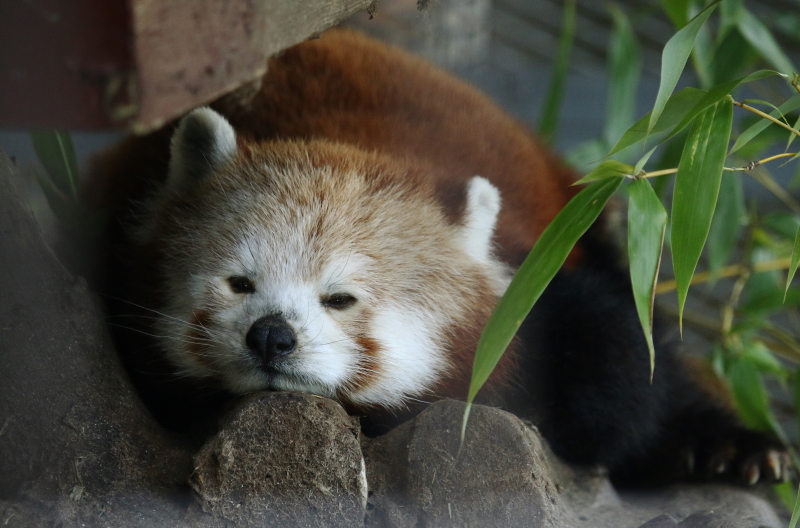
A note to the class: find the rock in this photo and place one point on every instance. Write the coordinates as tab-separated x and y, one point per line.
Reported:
505	475
78	449
76	445
662	521
282	459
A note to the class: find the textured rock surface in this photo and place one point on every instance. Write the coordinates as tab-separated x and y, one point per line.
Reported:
282	459
501	477
77	448
505	475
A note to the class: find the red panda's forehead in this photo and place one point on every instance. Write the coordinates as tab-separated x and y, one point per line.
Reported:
301	217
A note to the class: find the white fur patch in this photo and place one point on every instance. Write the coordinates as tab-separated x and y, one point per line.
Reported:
203	141
410	360
480	218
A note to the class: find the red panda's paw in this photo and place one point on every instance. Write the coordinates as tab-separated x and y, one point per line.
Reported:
749	458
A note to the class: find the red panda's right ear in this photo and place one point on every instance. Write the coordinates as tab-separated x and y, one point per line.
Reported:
203	141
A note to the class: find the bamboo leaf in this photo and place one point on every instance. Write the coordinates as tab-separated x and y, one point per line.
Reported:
729	17
677	11
716	94
796	126
678	105
729	218
647	223
625	67
796	509
552	103
696	189
793	264
57	155
759	126
541	265
757	34
643	161
750	395
607	169
673	60
701	55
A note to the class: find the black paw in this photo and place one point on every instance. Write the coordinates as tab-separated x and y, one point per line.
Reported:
748	458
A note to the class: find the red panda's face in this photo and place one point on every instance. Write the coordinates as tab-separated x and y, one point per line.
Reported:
283	271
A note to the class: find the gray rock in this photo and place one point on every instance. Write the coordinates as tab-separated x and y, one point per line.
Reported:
282	459
505	475
78	449
662	521
501	477
76	445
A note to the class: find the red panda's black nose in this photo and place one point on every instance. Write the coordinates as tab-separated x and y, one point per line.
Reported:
270	338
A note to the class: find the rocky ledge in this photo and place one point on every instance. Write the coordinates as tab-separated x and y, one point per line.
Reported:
78	449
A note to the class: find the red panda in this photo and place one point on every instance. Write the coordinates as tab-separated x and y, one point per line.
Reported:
348	232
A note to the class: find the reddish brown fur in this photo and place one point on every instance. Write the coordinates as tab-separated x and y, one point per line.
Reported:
355	92
401	105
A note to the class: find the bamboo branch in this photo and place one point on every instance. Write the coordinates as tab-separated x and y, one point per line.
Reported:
735	270
765	116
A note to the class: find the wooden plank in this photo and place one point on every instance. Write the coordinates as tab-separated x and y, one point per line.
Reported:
100	64
190	52
56	60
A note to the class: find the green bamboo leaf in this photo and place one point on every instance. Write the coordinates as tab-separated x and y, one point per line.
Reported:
728	18
763	359
696	188
796	509
541	265
757	34
552	103
796	126
785	492
793	263
750	395
729	218
647	223
673	60
714	95
678	105
702	53
732	56
625	67
607	169
57	155
677	11
643	160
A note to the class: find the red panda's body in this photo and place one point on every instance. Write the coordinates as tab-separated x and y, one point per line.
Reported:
348	233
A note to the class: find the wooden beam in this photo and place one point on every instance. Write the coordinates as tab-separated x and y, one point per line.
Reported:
100	64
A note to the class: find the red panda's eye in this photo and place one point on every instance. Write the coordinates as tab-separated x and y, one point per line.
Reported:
338	301
241	285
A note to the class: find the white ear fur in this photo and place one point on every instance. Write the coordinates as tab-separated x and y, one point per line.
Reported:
203	141
480	218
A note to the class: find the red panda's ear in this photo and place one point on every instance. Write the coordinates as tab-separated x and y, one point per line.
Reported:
203	141
480	218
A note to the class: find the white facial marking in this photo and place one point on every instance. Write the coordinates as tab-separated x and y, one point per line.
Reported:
408	358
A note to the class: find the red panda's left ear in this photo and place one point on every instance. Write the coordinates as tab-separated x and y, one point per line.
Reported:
203	141
480	218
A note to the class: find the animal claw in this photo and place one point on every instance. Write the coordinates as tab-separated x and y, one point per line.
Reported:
753	474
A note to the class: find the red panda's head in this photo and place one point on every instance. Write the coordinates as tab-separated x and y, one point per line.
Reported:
315	267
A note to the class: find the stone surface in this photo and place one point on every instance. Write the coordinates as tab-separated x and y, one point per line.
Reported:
505	475
76	446
283	459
